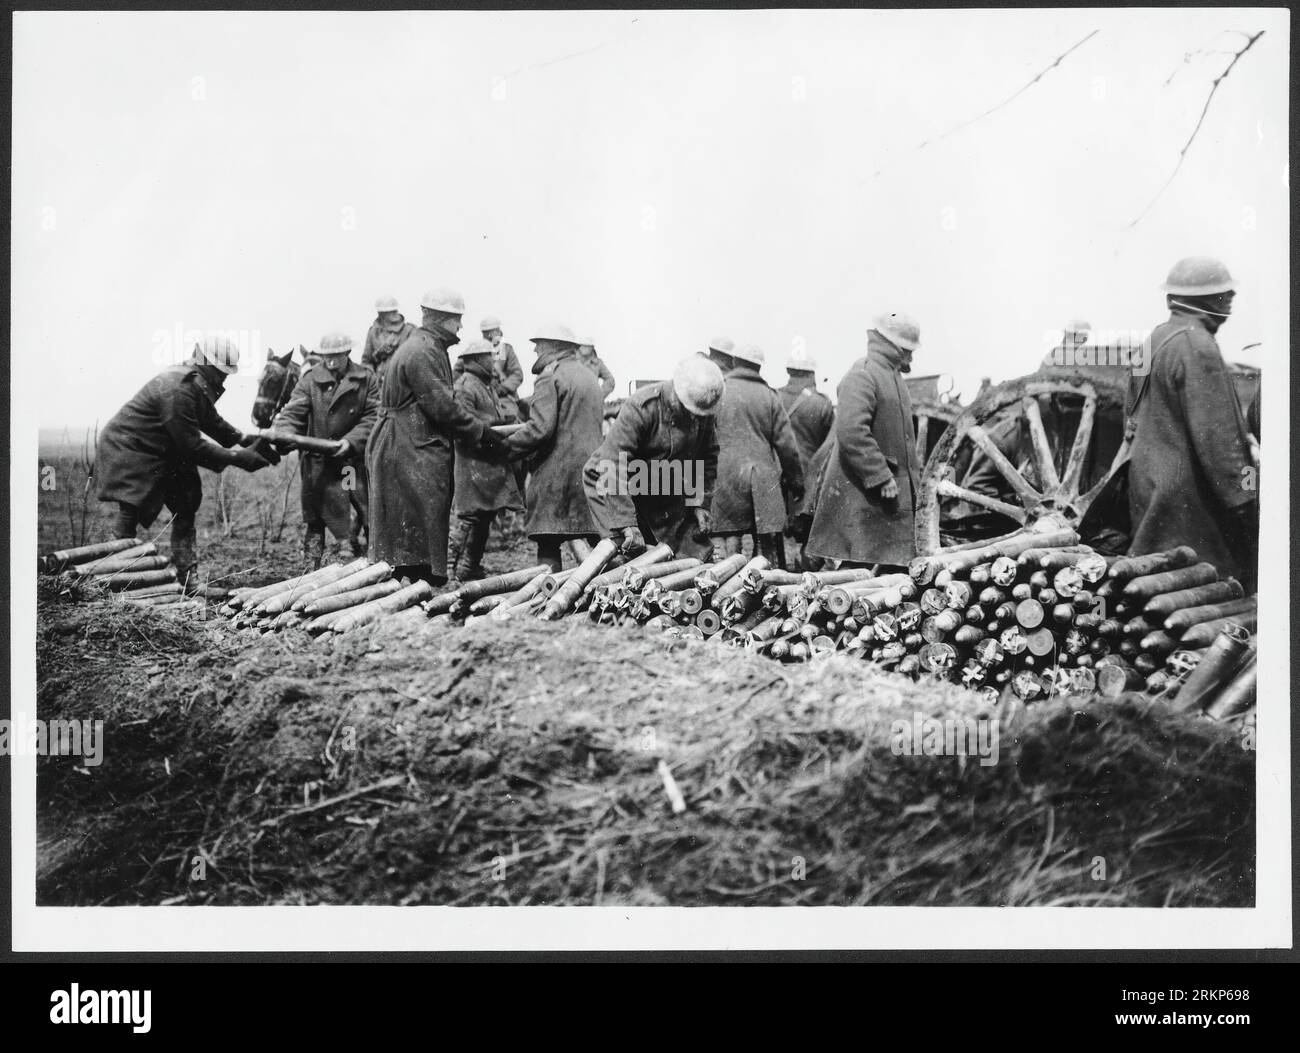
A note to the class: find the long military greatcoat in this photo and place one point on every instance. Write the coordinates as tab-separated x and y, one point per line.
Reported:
758	460
652	442
149	454
482	486
328	407
411	456
383	339
1190	451
811	417
562	430
875	441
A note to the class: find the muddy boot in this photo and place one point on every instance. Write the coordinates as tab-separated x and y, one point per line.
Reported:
313	548
548	552
772	548
469	567
458	531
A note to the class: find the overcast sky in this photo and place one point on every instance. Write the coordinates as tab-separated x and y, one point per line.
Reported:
652	179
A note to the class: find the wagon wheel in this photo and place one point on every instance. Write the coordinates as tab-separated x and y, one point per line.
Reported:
1056	486
943	413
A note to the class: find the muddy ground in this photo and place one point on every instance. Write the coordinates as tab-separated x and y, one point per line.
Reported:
523	765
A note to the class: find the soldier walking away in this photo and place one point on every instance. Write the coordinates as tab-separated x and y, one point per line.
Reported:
811	419
386	335
411	456
150	452
337	399
483	488
867	503
665	431
1192	478
759	467
562	431
719	353
588	357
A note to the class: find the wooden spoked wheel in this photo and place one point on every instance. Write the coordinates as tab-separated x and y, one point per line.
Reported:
1063	455
932	419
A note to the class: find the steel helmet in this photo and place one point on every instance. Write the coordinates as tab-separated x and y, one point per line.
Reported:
474	347
801	361
1199	276
900	329
335	343
587	342
555	331
751	353
220	352
489	323
722	344
698	383
1077	327
386	303
448	301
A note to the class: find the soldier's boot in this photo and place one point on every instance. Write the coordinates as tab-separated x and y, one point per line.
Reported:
548	552
457	532
313	548
470	565
772	548
125	522
184	552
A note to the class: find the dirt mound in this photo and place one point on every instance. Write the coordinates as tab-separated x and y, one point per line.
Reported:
524	764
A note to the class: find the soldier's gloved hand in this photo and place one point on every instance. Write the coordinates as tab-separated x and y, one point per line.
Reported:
633	543
703	522
249	460
492	447
889	490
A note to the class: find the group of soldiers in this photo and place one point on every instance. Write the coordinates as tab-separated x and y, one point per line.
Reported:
431	451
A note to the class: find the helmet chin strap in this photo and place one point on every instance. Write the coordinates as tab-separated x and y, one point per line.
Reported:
1200	310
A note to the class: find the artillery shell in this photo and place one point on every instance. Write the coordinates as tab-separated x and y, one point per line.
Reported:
1047	597
1067	581
1124	570
1182	620
1099	647
913	641
1003	572
979	574
1158	643
709	621
1114	680
691	600
1181	663
907	616
933	601
909	665
989	652
1204	634
1238	696
988	695
938	657
1013	640
892	652
1088	623
968	635
959	595
1063	615
1027	686
1152	585
1030	614
1084	601
885	626
1221	659
993	627
1146	664
1022	591
973	674
1040	642
991	597
1039	579
976	615
1158	681
1075	642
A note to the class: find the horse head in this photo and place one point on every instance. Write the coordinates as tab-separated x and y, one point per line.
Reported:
276	384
